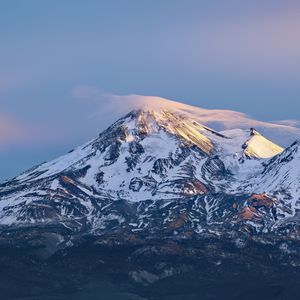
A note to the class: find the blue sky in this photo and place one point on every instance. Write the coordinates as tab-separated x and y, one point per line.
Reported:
239	55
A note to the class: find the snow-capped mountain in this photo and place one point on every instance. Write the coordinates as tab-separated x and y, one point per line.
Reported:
158	170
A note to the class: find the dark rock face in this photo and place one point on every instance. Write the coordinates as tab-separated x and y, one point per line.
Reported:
161	165
113	152
215	168
135	184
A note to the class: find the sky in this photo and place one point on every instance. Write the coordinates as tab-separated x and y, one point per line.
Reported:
58	56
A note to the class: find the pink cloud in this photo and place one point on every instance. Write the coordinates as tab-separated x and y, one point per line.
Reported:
15	132
258	45
12	132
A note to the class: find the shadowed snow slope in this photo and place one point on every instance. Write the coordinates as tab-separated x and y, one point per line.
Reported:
281	174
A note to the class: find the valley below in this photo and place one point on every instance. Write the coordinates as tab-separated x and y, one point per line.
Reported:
122	266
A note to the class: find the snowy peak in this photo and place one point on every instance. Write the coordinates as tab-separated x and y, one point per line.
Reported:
257	146
189	131
247	143
153	132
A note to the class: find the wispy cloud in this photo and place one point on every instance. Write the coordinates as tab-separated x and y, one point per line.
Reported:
292	123
90	110
108	107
